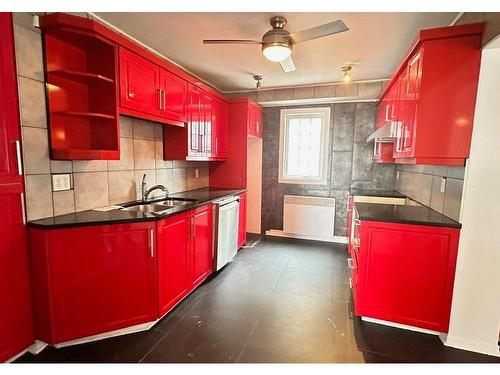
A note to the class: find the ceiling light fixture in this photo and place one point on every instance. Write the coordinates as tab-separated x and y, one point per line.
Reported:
346	73
276	52
258	78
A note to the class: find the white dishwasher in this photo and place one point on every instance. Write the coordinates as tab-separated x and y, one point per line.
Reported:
226	231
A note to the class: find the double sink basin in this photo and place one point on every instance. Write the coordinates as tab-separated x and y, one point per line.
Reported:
158	205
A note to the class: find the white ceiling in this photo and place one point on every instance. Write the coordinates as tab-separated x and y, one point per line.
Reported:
377	41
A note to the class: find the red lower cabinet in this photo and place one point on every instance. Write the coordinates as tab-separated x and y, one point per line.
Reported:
92	280
174	237
405	273
242	224
185	257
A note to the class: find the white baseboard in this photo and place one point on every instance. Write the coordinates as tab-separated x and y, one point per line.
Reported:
471	345
280	233
401	326
101	336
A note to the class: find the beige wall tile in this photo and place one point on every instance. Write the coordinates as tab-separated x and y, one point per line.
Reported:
25	19
144	154
39	196
64	202
179	180
143	129
159	132
61	166
165	177
180	164
32	103
35	151
90	165
28	53
122	186
456	172
371	89
91	190
150	180
303	92
159	162
126	127
327	91
453	198
193	182
440	170
126	162
437	198
346	90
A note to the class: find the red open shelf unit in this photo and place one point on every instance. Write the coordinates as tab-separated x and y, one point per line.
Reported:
81	70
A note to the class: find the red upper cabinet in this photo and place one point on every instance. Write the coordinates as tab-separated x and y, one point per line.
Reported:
16	325
220	131
92	280
437	84
139	83
202	236
174	236
255	120
173	97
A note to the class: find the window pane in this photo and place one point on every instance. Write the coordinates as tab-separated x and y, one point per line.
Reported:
303	147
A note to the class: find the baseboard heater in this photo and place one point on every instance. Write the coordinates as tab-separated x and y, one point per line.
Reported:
308	217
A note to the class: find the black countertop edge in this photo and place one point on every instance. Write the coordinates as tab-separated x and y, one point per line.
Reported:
376	193
400	214
200	197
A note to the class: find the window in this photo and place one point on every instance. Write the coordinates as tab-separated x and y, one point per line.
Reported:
304	145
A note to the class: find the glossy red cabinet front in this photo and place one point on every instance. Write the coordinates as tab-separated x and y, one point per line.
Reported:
16	324
202	236
173	97
92	280
242	224
405	273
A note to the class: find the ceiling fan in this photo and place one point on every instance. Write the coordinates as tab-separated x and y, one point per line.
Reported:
277	43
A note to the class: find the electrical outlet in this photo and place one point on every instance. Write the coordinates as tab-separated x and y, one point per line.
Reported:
443	185
196	172
61	182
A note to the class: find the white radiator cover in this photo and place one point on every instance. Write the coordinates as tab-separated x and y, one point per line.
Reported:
309	216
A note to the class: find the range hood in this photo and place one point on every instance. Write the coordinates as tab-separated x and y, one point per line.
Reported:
386	133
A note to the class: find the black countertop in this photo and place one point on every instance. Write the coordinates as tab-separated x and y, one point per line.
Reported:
392	213
117	216
376	193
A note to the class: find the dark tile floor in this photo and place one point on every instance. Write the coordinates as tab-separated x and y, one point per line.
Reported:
280	301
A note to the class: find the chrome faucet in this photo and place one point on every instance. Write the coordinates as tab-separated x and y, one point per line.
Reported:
145	191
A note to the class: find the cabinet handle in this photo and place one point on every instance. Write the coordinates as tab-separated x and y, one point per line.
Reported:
192	228
23	208
19	161
164	100
159	100
131	94
257	127
151	243
350	264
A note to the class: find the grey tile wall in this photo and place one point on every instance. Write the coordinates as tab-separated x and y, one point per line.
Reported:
98	182
423	184
349	163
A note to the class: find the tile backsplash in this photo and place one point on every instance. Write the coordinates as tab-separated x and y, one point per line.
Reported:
96	182
422	183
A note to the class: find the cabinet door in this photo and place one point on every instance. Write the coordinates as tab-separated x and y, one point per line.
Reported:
220	132
16	327
412	90
207	126
259	123
173	96
252	129
194	121
101	278
242	225
173	261
202	234
139	83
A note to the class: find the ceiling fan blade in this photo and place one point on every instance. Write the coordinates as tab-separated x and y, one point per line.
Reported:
287	65
231	41
319	31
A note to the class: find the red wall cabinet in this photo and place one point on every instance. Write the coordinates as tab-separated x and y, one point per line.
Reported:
173	96
16	324
404	273
434	91
242	223
205	136
92	280
255	121
174	236
185	255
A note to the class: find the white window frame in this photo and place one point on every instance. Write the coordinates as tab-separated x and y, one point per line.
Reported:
324	112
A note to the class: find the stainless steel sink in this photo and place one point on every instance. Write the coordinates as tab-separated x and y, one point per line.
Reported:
147	207
175	202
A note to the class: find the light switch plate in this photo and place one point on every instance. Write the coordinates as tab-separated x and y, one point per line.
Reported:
443	185
196	172
61	182
397	175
